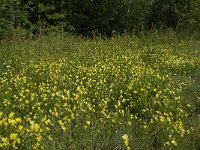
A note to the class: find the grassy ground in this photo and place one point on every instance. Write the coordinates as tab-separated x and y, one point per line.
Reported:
64	92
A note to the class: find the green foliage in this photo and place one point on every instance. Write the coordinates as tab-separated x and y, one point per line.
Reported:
94	17
138	12
12	15
191	20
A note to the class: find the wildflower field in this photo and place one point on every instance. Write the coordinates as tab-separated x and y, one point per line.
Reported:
64	92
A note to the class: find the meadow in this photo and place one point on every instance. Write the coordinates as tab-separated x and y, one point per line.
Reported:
63	92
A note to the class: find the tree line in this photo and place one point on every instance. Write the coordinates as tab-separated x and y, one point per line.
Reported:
106	17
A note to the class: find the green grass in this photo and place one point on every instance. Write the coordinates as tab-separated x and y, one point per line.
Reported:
65	92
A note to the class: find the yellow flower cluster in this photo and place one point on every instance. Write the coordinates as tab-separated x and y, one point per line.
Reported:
44	98
126	141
